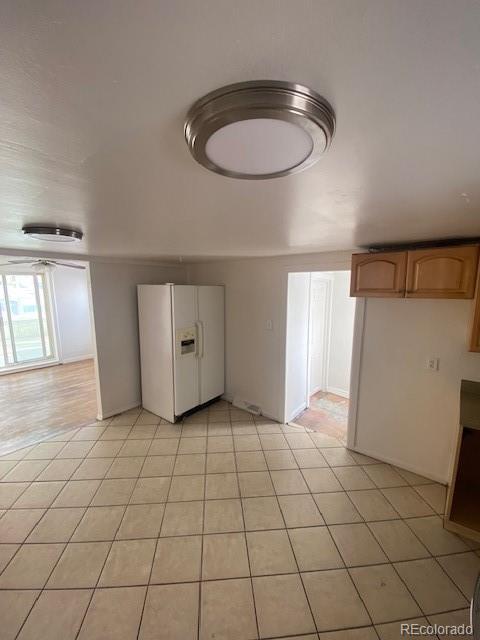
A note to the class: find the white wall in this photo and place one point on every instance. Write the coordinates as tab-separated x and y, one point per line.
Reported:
255	292
341	335
297	343
408	415
114	302
70	290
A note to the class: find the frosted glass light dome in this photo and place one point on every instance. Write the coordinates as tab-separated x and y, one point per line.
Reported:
50	237
260	129
259	146
52	233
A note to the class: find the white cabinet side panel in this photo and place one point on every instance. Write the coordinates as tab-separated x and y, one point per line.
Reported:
187	394
211	313
156	354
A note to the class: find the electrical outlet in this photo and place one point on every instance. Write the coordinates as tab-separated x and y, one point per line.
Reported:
433	363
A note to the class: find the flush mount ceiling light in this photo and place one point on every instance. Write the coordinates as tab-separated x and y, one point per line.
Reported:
260	129
51	233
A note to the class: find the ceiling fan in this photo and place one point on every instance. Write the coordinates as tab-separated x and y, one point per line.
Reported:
39	264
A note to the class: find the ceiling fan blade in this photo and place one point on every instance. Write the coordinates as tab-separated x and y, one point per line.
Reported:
66	264
21	261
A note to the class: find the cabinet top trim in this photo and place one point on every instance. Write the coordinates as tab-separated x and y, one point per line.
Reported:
426	244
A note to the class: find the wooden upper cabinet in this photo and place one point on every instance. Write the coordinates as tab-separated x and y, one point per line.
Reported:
380	275
475	328
448	272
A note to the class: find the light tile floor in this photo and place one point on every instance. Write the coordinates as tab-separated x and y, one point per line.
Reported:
227	527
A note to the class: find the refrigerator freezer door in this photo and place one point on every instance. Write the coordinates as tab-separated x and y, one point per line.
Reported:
155	329
186	388
211	314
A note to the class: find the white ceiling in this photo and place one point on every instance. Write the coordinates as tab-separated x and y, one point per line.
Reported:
93	96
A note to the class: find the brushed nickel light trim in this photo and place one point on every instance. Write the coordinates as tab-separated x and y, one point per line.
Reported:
52	233
260	99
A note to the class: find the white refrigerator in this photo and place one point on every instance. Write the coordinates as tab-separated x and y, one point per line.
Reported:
182	339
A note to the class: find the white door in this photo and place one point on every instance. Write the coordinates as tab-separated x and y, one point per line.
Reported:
296	379
211	314
185	345
319	331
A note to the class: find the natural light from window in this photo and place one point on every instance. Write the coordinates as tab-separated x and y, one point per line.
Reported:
26	326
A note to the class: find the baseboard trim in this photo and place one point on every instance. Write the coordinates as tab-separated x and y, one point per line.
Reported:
103	415
270	417
229	398
315	390
30	367
296	411
76	359
400	463
339	392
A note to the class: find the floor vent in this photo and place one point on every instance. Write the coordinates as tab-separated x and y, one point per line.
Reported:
246	406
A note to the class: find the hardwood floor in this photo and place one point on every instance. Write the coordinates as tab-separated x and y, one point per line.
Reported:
327	413
39	403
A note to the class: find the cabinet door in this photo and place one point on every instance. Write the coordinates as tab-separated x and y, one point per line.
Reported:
447	272
475	330
380	275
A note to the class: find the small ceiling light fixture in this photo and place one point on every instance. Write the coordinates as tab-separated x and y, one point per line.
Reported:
260	129
52	233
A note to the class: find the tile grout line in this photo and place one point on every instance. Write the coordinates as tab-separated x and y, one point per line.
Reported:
240	497
294	555
99	576
389	562
154	551
263	575
372	564
93	589
56	563
138	476
348	568
411	593
200	582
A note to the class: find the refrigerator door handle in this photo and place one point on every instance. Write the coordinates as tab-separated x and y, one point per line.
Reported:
199	342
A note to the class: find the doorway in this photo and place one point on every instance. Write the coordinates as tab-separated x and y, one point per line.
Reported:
320	321
26	330
47	374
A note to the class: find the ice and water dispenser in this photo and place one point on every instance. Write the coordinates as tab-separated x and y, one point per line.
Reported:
185	341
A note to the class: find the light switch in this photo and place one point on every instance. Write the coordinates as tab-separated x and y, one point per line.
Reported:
433	363
269	325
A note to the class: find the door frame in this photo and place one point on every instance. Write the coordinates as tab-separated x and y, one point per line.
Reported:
357	345
20	253
357	352
326	334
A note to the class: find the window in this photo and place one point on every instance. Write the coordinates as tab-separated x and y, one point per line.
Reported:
26	327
